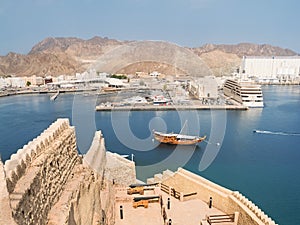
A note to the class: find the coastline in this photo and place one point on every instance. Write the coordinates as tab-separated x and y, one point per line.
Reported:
28	92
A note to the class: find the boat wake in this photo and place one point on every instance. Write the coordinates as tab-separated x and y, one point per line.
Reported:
275	133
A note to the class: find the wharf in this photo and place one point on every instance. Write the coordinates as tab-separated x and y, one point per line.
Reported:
170	107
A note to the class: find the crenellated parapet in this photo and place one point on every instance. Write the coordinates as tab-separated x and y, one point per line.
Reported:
48	182
251	208
37	173
15	167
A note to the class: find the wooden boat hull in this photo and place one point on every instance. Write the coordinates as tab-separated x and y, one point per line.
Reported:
176	139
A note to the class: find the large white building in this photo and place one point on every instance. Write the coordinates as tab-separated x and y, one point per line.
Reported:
273	68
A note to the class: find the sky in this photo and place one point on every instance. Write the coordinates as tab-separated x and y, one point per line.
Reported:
192	23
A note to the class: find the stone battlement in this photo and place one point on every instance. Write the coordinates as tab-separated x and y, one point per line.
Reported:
37	173
251	208
18	162
48	182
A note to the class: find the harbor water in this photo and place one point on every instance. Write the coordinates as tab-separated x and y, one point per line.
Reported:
255	152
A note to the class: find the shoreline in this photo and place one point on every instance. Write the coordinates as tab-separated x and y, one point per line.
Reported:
28	92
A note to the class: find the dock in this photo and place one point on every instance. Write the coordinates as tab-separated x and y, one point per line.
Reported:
53	97
170	107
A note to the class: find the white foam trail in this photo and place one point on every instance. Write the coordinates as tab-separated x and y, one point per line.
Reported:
276	133
210	143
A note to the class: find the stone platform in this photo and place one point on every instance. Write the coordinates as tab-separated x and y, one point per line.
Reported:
190	212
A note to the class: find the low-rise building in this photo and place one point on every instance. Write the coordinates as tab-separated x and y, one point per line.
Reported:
15	82
3	83
35	80
206	87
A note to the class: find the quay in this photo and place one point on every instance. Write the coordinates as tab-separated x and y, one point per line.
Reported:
170	107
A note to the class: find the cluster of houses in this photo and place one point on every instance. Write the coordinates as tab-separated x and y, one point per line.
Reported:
89	78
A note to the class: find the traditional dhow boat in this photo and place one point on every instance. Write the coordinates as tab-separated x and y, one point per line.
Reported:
177	139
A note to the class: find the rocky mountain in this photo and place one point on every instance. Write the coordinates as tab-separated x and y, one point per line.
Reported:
38	64
76	47
221	62
55	56
246	49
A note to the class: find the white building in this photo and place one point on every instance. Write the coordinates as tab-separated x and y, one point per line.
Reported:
17	82
206	87
87	75
272	69
3	83
34	80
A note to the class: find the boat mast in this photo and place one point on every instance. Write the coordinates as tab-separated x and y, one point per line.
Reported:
185	123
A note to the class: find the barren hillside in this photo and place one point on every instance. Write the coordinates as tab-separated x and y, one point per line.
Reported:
55	56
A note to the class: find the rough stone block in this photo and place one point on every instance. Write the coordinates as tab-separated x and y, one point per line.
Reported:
167	174
158	177
150	181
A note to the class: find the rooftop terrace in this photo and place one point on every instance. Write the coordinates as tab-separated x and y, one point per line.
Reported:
188	212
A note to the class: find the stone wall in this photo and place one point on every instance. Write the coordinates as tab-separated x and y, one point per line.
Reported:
120	170
79	202
223	199
89	197
16	166
95	158
48	182
5	210
39	171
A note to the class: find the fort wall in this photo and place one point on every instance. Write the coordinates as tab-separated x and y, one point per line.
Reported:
5	210
48	182
16	166
95	158
120	170
39	180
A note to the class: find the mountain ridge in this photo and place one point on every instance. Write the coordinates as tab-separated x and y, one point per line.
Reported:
68	55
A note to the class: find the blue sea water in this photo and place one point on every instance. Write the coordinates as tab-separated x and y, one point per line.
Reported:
264	166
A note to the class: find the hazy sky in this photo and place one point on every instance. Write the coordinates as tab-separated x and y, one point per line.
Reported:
193	23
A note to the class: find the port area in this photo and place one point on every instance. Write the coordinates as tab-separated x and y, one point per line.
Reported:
189	212
170	107
161	100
